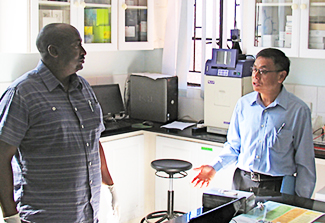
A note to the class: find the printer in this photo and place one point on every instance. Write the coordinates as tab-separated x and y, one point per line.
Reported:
226	79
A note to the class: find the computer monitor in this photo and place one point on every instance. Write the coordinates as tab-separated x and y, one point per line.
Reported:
110	99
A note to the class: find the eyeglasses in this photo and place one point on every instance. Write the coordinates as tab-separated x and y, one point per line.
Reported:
262	71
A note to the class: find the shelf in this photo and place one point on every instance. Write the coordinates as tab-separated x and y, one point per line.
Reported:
54	3
137	7
98	5
317	4
274	4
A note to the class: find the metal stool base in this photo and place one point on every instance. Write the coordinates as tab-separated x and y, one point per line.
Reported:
161	216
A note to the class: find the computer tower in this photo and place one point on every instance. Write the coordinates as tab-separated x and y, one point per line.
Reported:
154	97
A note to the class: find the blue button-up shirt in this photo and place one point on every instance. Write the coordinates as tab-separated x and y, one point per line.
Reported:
57	134
275	140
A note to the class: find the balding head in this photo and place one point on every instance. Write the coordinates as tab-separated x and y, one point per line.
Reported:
60	46
54	34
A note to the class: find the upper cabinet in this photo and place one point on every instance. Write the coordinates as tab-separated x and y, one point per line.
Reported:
96	20
135	24
104	25
297	27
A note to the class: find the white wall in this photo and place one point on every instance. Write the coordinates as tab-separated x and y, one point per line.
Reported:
96	63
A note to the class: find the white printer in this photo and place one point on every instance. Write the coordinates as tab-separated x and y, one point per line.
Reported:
226	79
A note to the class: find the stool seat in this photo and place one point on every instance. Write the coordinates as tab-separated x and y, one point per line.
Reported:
171	166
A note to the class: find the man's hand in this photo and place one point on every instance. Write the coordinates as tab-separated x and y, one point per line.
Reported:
205	176
115	204
13	219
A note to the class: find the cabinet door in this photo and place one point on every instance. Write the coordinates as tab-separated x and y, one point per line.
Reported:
187	197
96	20
207	155
14	26
184	194
312	37
125	161
320	181
99	24
273	23
135	24
44	12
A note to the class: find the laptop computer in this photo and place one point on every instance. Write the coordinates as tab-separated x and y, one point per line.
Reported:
110	99
221	214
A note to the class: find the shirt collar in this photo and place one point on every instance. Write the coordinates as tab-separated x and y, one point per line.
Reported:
51	82
281	100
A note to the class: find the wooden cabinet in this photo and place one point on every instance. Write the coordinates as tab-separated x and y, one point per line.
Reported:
187	197
297	27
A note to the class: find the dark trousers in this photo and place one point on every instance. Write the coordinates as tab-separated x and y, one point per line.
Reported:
243	182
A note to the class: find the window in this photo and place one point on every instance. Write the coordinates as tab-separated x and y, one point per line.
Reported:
206	33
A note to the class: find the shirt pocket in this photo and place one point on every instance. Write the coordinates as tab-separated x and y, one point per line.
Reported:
281	142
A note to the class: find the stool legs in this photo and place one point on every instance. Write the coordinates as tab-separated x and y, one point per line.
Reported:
170	198
170	207
161	216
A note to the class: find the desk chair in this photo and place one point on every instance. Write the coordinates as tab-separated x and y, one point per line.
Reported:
174	169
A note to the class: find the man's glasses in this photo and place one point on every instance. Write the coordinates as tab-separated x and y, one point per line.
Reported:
262	71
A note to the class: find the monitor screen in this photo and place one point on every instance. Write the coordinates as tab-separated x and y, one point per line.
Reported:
110	99
224	58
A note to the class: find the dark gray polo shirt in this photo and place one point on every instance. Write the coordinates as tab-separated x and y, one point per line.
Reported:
57	134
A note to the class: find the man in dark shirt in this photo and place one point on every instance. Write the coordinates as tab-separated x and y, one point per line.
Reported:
50	125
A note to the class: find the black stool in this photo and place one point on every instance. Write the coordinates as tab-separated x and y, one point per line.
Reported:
170	167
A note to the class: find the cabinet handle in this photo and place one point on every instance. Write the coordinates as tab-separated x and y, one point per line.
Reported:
303	6
124	6
83	4
76	3
294	6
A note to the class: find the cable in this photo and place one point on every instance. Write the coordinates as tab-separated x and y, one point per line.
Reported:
191	119
318	130
318	136
127	96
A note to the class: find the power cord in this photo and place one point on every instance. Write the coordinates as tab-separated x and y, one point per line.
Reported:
322	133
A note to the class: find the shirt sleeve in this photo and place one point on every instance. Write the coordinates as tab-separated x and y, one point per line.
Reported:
305	156
13	117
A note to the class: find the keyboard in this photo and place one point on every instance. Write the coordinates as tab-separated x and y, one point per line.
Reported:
117	125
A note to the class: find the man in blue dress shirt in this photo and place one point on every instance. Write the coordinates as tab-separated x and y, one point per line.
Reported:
270	134
50	125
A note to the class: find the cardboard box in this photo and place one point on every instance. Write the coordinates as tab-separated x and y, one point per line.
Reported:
317	26
316	45
287	42
316	32
316	39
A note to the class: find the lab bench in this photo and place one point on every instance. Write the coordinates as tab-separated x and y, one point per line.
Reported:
188	133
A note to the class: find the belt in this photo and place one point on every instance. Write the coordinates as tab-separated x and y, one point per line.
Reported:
258	177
